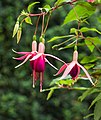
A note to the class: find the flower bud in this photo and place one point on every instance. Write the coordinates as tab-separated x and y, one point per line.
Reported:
16	27
41	47
75	55
19	34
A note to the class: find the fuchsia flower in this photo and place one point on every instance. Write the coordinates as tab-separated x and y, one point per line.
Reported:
37	61
73	69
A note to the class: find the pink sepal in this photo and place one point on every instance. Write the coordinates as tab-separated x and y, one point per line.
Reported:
20	58
36	56
21	52
68	69
61	69
49	55
23	61
50	64
87	74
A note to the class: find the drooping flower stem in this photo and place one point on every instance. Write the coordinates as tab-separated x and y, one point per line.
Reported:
37	25
47	23
43	16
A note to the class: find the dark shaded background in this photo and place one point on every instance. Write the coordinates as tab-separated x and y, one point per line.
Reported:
18	100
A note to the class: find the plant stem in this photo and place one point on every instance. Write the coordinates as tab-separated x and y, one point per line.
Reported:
37	25
52	9
47	23
43	16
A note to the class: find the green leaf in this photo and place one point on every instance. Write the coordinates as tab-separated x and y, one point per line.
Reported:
95	100
89	115
80	11
85	29
58	2
91	42
47	8
74	30
31	5
80	88
67	81
96	73
97	67
71	45
48	89
59	37
50	94
88	66
98	1
28	20
98	84
24	13
97	111
89	59
87	93
89	45
67	46
16	27
99	19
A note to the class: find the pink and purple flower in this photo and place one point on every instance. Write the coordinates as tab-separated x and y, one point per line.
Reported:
73	69
37	61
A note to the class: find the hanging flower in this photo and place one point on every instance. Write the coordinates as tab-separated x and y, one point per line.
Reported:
73	69
37	61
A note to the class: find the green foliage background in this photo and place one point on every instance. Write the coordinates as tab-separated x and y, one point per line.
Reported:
18	100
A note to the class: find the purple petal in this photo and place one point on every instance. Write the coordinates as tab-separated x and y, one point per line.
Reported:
75	72
39	64
68	69
61	69
87	74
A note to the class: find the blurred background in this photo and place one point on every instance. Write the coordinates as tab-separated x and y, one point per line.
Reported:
18	100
